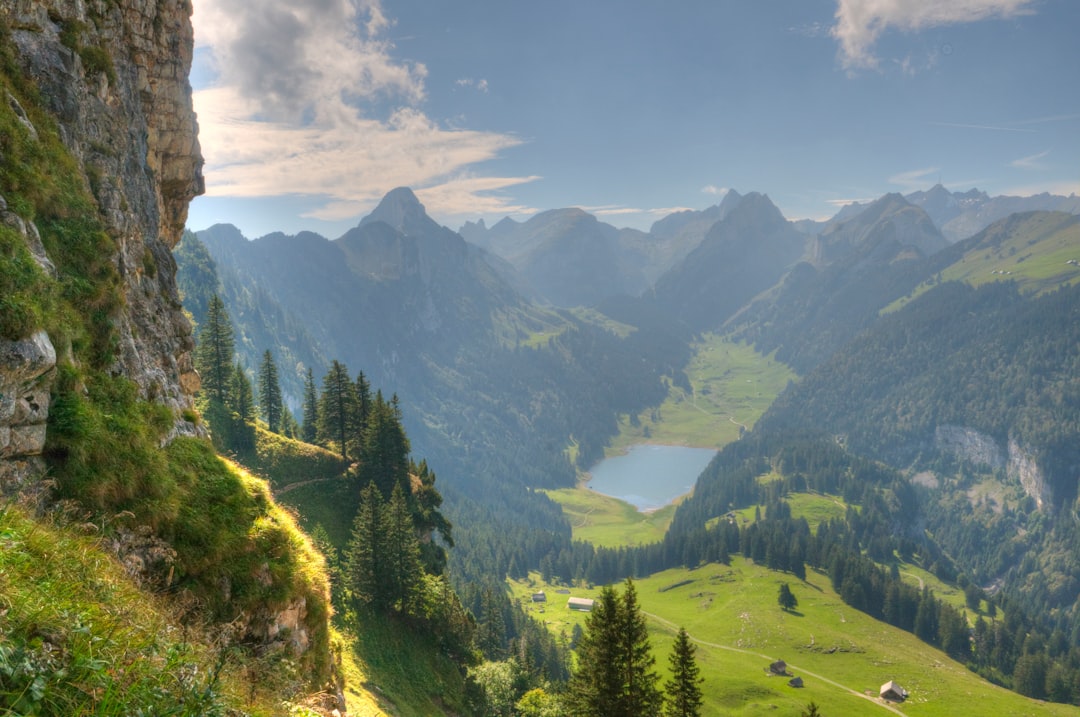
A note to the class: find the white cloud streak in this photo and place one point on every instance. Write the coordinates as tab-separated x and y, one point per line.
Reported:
859	23
714	191
1031	161
913	179
309	100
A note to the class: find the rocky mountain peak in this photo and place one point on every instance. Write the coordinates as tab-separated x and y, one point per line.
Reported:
401	210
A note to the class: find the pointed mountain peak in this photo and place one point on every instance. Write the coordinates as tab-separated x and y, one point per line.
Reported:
403	211
757	205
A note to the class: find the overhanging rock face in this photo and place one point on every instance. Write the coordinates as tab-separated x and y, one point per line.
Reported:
113	75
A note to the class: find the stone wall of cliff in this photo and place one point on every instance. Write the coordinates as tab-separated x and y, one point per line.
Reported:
113	77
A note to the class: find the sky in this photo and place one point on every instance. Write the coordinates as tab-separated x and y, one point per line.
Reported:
311	110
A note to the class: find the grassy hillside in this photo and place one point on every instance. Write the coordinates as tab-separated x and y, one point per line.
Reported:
1034	250
842	655
79	636
603	520
731	385
388	667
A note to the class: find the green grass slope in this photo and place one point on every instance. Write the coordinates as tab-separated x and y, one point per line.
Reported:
1033	249
731	384
610	522
844	656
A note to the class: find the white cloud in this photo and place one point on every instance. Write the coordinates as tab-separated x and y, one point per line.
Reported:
1031	161
915	178
845	202
1063	188
310	100
480	85
713	190
859	23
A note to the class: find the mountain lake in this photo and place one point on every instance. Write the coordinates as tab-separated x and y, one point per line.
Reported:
649	476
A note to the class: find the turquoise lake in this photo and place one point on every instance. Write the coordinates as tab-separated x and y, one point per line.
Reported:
649	477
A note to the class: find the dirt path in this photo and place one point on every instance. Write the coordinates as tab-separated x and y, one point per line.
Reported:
301	484
767	658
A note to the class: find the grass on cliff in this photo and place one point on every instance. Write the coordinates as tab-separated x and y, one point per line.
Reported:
78	637
41	182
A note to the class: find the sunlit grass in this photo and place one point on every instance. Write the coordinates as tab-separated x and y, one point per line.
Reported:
604	520
732	612
732	386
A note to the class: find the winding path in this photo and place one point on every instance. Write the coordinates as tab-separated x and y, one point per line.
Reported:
672	626
300	484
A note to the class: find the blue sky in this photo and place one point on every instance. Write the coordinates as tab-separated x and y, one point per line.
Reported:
311	111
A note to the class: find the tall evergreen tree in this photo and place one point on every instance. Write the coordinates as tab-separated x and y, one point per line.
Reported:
310	429
336	407
614	676
641	694
682	692
240	402
363	569
270	401
241	399
596	686
786	599
363	406
385	454
404	574
214	354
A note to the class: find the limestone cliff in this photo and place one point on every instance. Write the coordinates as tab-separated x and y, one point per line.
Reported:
980	449
114	76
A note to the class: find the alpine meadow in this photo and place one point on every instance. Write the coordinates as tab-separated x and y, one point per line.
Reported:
387	358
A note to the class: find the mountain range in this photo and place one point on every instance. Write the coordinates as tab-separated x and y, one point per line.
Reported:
912	349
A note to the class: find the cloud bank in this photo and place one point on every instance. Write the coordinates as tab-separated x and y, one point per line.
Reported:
308	99
859	23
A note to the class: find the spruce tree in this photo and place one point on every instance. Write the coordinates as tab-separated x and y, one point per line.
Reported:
336	407
240	403
641	694
614	676
404	574
363	406
214	354
270	401
596	686
683	691
363	562
310	430
786	599
385	452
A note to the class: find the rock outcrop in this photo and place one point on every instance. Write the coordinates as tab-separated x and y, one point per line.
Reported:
114	77
979	449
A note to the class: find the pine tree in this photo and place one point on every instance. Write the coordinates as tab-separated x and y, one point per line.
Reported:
614	676
596	686
214	354
786	598
363	406
270	401
385	453
404	573
240	402
363	568
641	696
336	407
311	409
240	399
683	690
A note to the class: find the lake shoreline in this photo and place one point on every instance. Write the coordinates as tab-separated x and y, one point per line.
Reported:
649	476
